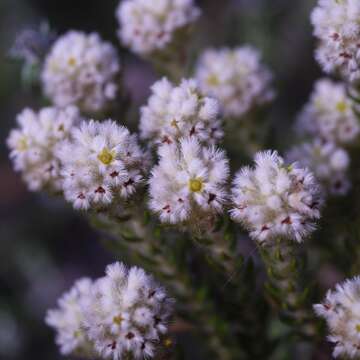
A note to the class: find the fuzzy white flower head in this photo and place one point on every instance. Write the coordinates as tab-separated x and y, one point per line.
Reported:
129	314
102	163
328	162
175	112
275	200
236	77
34	142
188	184
68	320
341	310
337	26
148	26
82	70
330	114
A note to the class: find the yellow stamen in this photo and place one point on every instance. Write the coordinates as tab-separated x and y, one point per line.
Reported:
106	156
195	185
213	80
72	61
341	106
22	144
168	342
118	319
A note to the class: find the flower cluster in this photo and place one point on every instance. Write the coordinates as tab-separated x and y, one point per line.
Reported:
81	70
275	200
175	112
101	163
126	313
150	26
330	114
341	310
35	142
236	77
328	162
188	184
337	26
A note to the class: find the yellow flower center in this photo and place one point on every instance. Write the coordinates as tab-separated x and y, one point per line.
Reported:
77	333
72	61
195	185
341	106
118	320
22	144
106	156
168	342
213	80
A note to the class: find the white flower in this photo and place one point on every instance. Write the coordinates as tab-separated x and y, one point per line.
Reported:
102	163
328	162
68	320
147	26
129	314
236	77
180	111
188	184
337	26
82	70
275	200
33	145
341	310
330	114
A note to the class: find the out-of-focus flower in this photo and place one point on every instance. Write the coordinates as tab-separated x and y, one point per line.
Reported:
275	199
328	162
341	310
31	45
82	70
337	26
148	26
34	144
174	112
129	314
68	320
236	77
102	163
188	185
330	114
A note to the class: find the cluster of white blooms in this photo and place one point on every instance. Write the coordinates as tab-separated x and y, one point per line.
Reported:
341	310
330	114
82	70
148	26
174	112
68	320
337	26
101	163
275	200
236	77
34	145
188	184
328	162
122	315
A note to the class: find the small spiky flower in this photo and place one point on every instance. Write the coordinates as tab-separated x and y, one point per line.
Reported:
34	145
175	112
236	77
341	310
82	70
275	199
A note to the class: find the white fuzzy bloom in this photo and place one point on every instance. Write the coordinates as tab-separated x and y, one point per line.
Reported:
174	112
68	320
275	200
328	162
188	184
236	77
129	314
330	114
34	142
148	26
82	70
341	310
102	163
337	26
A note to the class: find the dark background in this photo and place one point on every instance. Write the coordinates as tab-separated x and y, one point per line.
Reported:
44	245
